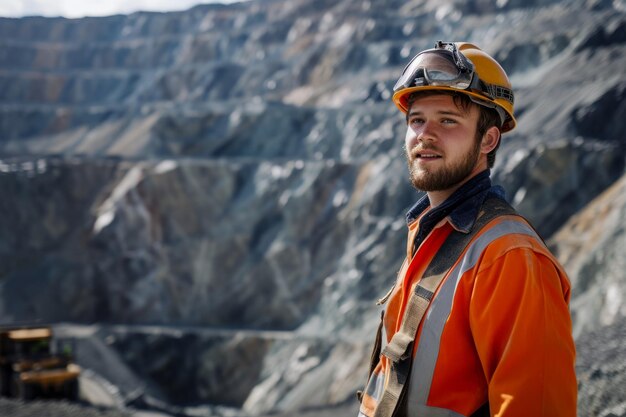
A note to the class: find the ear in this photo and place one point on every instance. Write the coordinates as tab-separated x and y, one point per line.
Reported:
490	140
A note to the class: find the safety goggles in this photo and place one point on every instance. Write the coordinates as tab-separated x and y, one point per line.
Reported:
445	66
442	66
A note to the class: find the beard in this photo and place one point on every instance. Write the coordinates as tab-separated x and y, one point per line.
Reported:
445	177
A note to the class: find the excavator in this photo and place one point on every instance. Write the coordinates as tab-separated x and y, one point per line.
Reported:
35	365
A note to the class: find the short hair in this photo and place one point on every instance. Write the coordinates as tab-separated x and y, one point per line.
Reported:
486	119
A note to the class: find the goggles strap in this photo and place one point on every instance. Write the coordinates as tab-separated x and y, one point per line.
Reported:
497	91
462	63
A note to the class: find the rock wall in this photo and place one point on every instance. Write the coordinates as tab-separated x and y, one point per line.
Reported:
241	167
592	244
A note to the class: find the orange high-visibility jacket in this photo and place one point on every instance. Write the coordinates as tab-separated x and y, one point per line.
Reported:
498	329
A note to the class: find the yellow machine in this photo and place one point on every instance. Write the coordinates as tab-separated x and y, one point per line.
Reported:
33	364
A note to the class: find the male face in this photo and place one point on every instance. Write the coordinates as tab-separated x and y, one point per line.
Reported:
441	145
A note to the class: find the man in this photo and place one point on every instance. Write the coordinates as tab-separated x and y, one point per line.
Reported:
477	323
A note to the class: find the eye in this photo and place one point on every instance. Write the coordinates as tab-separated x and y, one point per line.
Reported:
416	121
448	121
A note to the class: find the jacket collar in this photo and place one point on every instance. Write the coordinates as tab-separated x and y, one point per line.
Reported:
461	208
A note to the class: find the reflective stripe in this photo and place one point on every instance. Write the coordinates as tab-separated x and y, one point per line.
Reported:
376	382
375	386
373	391
437	315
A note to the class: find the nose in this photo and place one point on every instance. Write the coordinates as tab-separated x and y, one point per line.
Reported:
427	132
424	132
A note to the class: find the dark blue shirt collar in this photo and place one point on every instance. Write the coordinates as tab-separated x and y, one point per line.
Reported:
461	207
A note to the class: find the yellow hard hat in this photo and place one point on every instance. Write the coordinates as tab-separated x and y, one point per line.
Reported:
463	67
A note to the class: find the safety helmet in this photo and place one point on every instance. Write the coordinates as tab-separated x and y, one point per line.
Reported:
462	67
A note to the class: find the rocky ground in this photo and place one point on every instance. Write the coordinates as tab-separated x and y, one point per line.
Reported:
601	371
15	408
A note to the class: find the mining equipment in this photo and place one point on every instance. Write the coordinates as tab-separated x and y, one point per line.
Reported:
35	365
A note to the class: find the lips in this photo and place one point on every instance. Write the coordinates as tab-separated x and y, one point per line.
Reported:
425	154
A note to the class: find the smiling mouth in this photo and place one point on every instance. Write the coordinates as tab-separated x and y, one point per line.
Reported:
427	156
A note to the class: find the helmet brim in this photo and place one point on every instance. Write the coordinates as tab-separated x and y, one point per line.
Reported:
400	99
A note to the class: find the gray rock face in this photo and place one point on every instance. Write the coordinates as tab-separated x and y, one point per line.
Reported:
601	369
592	244
241	167
545	183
